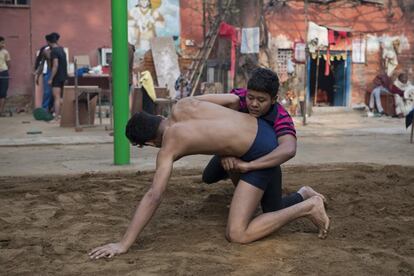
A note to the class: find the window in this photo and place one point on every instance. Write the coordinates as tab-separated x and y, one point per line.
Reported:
105	56
283	57
15	2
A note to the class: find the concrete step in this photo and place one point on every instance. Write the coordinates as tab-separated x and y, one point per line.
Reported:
320	110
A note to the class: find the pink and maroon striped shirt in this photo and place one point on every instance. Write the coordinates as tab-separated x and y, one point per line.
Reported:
277	116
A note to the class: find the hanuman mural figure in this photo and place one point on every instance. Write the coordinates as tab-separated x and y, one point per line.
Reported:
143	19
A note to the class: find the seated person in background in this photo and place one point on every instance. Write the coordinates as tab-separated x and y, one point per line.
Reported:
182	87
293	102
199	127
403	92
381	83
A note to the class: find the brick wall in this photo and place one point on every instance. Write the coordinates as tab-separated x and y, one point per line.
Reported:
84	26
15	28
289	21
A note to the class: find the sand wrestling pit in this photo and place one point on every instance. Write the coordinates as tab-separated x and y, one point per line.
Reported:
48	225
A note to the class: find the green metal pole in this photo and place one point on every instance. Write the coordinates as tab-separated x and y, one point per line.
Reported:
120	80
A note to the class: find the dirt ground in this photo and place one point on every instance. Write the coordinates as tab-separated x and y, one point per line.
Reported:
48	228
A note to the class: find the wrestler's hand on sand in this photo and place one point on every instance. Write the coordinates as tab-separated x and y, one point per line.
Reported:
109	250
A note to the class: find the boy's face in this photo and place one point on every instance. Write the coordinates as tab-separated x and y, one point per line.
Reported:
258	103
2	44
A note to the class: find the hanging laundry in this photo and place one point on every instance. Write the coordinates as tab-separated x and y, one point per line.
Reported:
317	37
228	31
331	37
250	40
148	84
390	50
358	50
327	63
331	40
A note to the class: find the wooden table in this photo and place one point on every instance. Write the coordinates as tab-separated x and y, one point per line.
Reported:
103	81
78	108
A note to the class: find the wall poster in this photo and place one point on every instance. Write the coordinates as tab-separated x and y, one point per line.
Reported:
152	18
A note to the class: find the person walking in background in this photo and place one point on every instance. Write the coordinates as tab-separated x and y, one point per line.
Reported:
43	91
131	56
4	74
59	70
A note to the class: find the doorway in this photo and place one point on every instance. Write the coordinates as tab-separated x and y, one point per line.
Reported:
333	88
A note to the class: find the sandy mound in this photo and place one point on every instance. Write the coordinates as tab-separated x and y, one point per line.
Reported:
47	226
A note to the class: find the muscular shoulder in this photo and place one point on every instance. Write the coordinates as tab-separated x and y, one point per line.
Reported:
184	106
174	141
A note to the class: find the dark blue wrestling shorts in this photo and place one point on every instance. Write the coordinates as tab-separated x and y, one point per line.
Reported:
264	143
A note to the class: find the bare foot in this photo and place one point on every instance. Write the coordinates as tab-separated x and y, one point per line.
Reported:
307	192
319	217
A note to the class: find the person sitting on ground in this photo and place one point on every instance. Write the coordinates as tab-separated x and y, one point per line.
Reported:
381	83
403	92
259	100
199	127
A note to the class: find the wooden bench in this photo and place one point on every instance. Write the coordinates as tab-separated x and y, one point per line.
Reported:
79	105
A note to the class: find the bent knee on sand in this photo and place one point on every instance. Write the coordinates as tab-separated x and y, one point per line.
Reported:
238	236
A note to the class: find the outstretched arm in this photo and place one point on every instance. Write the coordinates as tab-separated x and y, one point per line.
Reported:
145	210
228	100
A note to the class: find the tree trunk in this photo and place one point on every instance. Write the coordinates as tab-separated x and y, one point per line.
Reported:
250	16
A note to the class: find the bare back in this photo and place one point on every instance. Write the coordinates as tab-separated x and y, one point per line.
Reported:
199	127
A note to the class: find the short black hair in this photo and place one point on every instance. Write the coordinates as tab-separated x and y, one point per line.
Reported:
142	127
264	80
52	37
1	38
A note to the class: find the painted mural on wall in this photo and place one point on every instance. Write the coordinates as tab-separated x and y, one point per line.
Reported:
152	18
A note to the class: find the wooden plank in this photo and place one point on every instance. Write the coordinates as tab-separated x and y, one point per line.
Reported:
166	62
